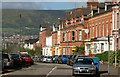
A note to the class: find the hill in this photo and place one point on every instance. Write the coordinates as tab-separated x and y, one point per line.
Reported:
29	21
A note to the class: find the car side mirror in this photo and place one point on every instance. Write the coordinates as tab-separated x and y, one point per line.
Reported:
95	63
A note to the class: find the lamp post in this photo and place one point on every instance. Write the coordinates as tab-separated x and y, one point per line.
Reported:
20	33
108	54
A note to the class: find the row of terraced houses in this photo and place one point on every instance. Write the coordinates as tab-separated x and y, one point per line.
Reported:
87	26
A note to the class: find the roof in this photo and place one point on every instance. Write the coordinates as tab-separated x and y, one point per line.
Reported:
101	5
31	41
78	12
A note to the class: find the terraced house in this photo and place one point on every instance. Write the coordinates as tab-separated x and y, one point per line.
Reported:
104	24
87	27
73	33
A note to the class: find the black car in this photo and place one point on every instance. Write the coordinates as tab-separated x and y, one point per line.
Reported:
17	61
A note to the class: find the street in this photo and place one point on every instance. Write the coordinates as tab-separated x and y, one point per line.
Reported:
53	70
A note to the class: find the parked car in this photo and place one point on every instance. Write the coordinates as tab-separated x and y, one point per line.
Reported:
27	59
36	58
59	59
77	56
63	59
69	58
96	61
49	59
55	58
84	66
72	60
41	58
44	59
7	61
17	60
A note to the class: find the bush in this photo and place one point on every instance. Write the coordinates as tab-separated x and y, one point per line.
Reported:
104	56
80	49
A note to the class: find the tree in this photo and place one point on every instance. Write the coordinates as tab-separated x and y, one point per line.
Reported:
80	50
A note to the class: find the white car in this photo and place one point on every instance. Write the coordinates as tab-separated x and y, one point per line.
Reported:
44	59
47	59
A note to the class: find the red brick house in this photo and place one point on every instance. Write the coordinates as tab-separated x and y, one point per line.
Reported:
44	32
100	25
73	33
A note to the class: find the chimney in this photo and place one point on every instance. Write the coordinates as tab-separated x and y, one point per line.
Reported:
105	6
41	28
53	27
98	10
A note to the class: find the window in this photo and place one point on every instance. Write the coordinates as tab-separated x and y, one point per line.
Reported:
111	27
63	36
95	47
106	29
96	31
73	35
68	36
79	35
99	30
103	29
93	32
102	47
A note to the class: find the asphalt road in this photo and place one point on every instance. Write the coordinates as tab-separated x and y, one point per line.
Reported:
49	70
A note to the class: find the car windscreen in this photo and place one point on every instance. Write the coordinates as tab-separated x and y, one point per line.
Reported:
84	61
49	57
14	55
65	56
25	55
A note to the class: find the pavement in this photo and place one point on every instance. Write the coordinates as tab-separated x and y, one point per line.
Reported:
56	70
114	72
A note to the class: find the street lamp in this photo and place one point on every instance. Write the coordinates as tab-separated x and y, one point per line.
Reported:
108	54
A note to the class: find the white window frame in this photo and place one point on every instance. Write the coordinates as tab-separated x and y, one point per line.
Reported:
79	35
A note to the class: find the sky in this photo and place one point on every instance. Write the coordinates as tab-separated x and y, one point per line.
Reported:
43	4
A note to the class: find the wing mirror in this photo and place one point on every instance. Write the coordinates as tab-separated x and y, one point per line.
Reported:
95	63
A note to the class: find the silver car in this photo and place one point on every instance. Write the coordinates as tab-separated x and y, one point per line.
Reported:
84	66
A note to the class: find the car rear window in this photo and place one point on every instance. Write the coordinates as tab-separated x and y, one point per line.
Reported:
25	55
64	56
84	61
49	56
15	56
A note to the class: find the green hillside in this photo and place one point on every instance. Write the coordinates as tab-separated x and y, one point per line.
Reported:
29	21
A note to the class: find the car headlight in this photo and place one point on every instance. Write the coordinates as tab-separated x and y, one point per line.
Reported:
92	68
76	68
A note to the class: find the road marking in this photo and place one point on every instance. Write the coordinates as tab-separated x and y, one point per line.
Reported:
6	74
51	71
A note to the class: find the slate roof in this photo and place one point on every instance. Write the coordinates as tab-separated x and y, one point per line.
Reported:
31	41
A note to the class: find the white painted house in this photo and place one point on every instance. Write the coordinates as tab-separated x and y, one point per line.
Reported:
47	49
30	44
